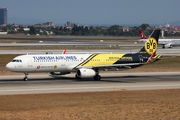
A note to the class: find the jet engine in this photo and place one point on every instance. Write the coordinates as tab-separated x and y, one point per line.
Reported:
85	73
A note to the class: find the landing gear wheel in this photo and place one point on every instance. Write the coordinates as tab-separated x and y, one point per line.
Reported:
97	77
77	77
163	46
25	79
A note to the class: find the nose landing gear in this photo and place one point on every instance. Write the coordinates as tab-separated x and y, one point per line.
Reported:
25	78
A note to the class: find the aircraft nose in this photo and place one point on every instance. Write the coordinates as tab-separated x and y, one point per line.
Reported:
9	66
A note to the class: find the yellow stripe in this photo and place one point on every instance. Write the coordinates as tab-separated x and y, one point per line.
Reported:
102	59
157	56
87	60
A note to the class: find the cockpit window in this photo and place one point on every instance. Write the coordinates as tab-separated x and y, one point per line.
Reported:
16	60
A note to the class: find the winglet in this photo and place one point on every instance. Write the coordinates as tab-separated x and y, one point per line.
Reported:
64	51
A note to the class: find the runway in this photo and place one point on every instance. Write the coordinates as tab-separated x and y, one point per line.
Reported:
43	83
70	44
159	51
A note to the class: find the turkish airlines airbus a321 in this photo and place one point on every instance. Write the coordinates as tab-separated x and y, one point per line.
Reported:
85	65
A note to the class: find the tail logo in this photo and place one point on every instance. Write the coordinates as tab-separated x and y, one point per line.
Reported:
151	46
142	36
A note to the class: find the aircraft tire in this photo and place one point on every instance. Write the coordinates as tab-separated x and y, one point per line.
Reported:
97	77
25	79
77	77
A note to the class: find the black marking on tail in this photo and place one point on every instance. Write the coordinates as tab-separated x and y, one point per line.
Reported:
150	46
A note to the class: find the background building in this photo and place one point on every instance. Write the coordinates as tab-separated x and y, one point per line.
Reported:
3	16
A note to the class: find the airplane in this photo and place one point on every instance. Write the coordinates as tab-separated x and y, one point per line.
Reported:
166	43
85	65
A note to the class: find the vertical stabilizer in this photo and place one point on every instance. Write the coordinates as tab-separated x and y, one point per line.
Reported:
151	44
142	35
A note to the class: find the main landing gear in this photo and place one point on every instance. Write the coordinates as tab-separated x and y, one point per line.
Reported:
25	78
77	77
97	77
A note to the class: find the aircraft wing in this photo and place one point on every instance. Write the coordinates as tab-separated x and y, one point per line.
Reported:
119	66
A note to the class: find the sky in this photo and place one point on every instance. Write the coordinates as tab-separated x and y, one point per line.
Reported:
89	12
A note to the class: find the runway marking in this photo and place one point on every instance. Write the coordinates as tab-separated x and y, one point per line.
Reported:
90	88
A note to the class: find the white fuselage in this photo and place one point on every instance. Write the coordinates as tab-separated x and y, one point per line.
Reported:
166	41
46	63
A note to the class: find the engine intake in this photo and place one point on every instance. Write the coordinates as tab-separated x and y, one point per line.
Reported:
86	73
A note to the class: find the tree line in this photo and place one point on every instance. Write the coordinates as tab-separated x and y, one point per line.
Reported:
114	30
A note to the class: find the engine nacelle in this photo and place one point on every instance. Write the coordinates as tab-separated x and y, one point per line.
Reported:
86	73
